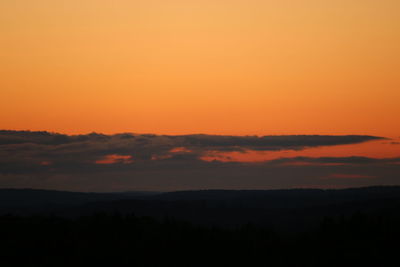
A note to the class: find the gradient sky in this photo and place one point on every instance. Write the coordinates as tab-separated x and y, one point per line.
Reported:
239	71
217	67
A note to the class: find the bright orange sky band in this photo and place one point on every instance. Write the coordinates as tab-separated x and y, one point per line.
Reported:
218	67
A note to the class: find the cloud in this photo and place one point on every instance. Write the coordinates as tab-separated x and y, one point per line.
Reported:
43	138
143	146
97	162
293	142
115	158
29	151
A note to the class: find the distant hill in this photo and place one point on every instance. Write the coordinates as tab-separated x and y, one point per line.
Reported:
293	209
17	200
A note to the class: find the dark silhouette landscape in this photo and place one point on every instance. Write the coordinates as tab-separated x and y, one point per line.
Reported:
299	227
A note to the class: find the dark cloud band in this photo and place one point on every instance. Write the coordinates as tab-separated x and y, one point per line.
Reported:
162	162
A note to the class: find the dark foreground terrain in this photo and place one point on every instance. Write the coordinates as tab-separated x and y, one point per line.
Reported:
352	227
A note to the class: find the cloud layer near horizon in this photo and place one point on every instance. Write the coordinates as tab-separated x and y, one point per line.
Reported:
97	162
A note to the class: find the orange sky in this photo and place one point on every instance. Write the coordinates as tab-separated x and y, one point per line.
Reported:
219	67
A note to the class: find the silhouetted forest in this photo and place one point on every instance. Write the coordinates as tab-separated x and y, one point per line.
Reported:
116	240
354	227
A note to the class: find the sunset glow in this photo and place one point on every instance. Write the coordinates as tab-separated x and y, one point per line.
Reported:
122	95
215	67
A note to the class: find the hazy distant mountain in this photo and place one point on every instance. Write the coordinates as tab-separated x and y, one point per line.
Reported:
32	200
286	209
